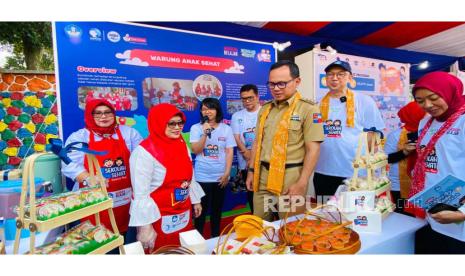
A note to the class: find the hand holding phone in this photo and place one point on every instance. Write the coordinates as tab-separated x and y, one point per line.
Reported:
412	137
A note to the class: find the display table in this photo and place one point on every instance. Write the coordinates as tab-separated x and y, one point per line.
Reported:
397	237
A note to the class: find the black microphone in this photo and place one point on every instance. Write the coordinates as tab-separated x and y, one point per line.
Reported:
208	130
343	99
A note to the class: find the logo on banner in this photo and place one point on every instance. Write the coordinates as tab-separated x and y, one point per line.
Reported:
140	57
73	31
332	129
248	53
133	39
95	34
431	162
230	51
264	56
113	36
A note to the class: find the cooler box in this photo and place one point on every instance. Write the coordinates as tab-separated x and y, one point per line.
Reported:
10	193
48	167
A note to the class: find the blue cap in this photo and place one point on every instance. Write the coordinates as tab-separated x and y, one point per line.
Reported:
339	63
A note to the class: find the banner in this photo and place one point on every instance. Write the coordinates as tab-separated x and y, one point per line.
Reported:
386	82
137	66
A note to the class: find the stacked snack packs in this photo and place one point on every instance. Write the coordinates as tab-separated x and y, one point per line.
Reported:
362	183
374	158
81	239
66	202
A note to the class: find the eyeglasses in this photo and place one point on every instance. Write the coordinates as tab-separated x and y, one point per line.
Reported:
279	84
339	75
248	99
173	124
99	114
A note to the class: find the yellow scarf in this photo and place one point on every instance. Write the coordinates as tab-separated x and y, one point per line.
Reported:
404	178
350	108
278	151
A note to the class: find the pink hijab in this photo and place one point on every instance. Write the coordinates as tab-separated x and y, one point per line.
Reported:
445	85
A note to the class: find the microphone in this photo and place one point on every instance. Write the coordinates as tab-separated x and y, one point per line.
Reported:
343	99
208	130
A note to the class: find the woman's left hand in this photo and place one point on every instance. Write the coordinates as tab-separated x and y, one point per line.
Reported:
224	179
445	217
197	209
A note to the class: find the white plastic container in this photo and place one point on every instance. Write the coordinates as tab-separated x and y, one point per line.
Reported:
193	241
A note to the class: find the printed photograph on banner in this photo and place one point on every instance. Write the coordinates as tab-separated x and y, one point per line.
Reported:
392	79
236	105
173	91
389	106
123	99
233	106
207	86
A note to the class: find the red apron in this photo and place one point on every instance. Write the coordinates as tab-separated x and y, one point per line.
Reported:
174	204
115	168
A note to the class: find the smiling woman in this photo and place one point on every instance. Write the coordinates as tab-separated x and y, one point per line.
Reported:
102	133
165	190
440	153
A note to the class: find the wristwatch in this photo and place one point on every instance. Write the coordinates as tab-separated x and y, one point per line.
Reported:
250	170
86	181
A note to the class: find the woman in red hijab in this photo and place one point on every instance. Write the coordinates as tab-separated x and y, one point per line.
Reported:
401	152
102	133
441	152
163	181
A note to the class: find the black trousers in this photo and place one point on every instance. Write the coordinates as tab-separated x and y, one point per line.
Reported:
213	201
428	241
249	193
326	185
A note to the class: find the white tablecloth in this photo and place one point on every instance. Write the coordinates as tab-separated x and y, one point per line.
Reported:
397	237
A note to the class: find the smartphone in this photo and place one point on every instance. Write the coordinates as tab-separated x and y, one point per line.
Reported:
442	207
412	136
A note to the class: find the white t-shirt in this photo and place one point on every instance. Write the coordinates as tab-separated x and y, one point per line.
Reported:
211	163
448	157
243	123
392	140
339	147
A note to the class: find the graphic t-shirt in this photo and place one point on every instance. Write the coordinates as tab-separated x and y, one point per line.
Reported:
339	147
211	163
243	123
448	156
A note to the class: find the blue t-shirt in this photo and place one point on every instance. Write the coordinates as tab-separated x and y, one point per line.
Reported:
211	163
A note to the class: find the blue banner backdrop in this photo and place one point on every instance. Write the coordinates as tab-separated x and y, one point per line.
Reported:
136	66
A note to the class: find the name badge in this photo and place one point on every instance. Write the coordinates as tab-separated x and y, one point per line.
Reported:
295	118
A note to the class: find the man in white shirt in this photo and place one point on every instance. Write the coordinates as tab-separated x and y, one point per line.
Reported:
345	114
243	124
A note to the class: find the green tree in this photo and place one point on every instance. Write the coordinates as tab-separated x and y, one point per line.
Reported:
32	42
